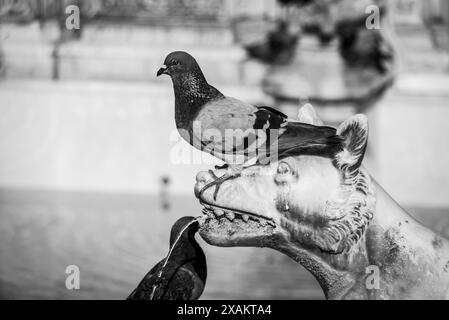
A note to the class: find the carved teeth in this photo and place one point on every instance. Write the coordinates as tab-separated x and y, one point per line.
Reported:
215	212
230	215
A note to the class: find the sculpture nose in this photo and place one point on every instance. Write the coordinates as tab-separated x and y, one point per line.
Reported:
202	178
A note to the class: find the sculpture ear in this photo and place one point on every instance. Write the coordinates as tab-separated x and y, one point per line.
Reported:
355	134
307	114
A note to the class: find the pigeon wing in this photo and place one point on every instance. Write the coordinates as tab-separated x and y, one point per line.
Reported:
145	288
230	126
184	285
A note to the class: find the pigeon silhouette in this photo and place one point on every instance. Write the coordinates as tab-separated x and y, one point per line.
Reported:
182	275
235	131
278	47
364	48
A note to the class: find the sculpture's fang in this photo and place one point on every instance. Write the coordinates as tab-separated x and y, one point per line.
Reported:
213	212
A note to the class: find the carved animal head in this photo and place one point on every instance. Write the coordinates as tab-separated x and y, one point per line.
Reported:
315	202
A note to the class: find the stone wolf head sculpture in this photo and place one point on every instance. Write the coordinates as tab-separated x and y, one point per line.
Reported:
329	215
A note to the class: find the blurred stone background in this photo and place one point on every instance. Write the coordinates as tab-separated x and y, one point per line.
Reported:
87	135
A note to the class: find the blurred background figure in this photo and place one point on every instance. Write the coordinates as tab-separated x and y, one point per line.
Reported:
279	46
164	195
93	172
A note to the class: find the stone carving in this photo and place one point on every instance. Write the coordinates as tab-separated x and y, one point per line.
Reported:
18	9
330	216
178	9
116	10
356	68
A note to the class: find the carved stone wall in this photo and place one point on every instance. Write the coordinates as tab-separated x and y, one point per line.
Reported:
28	10
155	9
119	10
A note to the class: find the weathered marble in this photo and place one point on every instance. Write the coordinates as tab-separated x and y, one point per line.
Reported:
333	218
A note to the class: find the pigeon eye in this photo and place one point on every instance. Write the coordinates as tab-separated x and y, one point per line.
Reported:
174	63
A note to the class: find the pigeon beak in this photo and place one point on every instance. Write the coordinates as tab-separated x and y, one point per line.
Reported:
162	70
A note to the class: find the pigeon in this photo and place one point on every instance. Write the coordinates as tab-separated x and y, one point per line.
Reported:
234	131
364	48
183	275
278	48
359	46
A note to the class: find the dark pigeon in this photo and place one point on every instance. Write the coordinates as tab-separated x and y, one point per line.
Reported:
295	2
184	275
365	48
278	48
261	133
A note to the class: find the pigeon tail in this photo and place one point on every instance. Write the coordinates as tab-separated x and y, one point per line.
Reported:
302	138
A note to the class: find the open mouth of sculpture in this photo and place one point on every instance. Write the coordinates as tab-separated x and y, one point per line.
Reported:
227	227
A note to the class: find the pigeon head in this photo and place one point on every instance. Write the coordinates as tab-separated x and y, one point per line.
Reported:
188	226
179	64
190	86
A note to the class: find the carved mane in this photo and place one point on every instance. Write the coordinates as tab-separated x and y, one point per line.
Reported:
350	215
346	218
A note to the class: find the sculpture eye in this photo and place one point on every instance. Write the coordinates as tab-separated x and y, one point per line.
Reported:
283	168
285	174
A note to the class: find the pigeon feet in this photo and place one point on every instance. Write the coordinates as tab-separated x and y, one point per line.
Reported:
218	181
224	166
